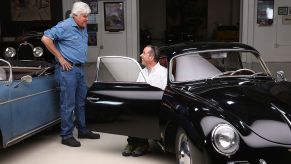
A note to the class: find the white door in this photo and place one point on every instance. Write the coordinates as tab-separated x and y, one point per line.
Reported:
112	28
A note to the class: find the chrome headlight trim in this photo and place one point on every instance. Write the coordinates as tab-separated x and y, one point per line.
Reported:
225	139
10	52
37	51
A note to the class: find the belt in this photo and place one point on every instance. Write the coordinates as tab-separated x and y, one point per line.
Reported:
77	64
74	64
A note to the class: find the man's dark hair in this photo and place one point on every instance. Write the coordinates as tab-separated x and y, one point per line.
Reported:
155	52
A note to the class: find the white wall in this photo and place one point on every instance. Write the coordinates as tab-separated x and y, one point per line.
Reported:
123	43
273	42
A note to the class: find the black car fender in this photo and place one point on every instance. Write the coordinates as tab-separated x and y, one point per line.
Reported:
176	112
196	116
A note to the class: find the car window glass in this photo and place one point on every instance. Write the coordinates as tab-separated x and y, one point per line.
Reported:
204	65
118	69
193	67
250	61
4	71
229	61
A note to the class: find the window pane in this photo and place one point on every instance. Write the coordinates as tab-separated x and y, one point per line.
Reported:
4	71
117	69
204	65
250	61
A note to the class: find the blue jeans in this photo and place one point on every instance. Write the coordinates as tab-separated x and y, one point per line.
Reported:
73	92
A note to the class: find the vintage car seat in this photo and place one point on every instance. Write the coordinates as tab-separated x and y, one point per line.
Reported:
2	74
163	61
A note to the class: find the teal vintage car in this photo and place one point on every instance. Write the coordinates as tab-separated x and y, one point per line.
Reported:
28	96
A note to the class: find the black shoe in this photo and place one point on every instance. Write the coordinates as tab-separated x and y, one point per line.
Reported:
89	135
71	142
128	150
139	151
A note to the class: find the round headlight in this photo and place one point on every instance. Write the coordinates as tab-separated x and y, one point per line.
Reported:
225	139
37	52
10	52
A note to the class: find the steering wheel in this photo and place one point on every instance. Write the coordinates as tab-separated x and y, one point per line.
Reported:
243	71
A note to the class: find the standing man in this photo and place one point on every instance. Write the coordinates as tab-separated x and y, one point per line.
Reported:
68	42
155	75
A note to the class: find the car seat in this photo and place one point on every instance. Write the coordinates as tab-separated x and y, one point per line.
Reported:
2	74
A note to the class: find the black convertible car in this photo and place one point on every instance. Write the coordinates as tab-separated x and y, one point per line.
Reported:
221	105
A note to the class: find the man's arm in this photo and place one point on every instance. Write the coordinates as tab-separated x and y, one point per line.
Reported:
48	42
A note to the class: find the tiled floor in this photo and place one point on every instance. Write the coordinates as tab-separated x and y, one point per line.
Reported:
45	148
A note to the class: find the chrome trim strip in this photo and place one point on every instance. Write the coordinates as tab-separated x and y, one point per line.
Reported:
27	96
283	114
30	133
137	95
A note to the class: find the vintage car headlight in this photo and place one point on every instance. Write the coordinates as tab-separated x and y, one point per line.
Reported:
10	52
225	139
37	51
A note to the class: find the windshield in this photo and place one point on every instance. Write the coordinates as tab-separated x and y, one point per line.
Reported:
216	64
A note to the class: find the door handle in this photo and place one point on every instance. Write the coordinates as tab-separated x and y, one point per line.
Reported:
93	99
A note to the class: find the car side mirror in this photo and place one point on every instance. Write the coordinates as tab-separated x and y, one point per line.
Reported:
280	76
26	79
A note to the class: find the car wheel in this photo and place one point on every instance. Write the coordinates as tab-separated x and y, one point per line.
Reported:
186	152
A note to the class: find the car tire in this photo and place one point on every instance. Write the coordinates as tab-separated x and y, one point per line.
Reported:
186	152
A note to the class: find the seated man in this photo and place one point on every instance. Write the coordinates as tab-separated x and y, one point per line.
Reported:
155	75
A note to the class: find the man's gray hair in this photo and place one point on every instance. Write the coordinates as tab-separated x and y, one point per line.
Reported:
80	8
155	52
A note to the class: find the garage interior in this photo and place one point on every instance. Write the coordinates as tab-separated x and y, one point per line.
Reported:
169	21
159	23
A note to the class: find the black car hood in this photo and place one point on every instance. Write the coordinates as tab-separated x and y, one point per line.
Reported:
265	106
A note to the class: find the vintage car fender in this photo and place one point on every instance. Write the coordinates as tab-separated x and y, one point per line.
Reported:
198	114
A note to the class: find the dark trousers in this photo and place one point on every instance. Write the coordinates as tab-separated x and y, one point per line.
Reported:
137	141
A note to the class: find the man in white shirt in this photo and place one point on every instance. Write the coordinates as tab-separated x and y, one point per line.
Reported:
155	75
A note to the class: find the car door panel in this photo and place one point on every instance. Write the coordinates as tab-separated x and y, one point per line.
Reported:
127	110
117	104
5	112
40	107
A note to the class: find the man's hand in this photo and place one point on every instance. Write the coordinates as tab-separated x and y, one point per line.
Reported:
65	64
52	48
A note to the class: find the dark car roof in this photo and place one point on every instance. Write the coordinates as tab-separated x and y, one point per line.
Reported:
175	49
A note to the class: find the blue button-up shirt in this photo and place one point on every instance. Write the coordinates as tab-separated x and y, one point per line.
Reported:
70	40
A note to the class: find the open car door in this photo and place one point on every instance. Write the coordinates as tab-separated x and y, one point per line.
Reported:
117	104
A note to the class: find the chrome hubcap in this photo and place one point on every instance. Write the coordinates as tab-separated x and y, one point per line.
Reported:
184	153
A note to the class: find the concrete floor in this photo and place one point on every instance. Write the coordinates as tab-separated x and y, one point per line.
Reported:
45	148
